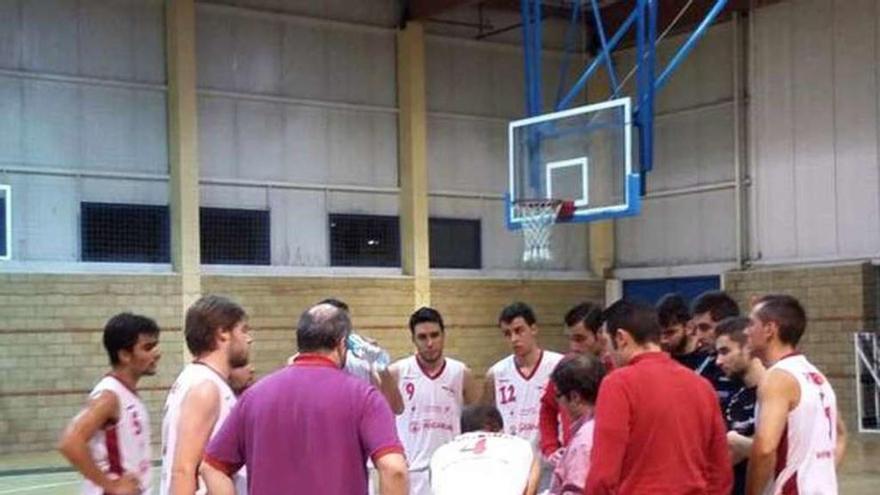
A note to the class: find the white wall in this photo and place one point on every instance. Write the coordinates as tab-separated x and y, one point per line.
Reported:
693	149
81	89
815	130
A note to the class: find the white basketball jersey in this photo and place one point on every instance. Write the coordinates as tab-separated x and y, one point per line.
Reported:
432	408
481	463
193	374
805	458
518	397
123	447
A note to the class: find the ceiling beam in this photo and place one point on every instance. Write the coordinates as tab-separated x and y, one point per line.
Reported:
424	9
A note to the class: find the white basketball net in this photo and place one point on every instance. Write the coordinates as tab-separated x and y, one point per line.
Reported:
538	217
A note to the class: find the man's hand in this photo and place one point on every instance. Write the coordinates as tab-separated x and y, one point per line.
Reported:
554	458
128	484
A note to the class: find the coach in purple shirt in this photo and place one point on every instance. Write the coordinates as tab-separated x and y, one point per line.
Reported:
309	428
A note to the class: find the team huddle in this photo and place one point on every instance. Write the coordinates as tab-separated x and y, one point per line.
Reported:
672	399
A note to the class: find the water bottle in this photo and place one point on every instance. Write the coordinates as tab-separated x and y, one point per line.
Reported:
371	353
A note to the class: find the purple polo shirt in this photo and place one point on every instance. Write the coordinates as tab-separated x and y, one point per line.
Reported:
307	428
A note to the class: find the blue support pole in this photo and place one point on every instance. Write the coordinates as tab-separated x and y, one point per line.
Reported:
594	65
566	59
609	64
689	44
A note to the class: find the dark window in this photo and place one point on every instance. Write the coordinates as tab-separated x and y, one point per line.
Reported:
234	237
455	243
3	226
364	240
125	233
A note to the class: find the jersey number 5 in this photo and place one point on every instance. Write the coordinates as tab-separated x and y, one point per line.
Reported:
508	394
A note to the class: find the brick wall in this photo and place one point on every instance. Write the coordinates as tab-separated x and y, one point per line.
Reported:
50	330
839	300
51	353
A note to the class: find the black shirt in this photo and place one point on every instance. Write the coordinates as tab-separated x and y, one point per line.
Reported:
703	363
739	415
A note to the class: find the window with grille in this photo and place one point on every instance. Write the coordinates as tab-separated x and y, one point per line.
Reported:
125	233
364	240
235	237
455	243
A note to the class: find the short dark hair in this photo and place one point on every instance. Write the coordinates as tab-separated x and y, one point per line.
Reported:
580	374
717	303
786	312
588	313
336	303
517	310
637	318
481	418
425	314
122	331
321	327
735	328
207	315
672	309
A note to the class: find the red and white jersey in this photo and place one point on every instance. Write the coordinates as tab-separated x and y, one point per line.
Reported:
482	463
122	447
193	374
805	457
432	408
518	397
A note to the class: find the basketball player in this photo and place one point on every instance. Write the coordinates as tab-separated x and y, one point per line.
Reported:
583	326
516	383
109	441
799	436
218	336
483	460
433	388
736	361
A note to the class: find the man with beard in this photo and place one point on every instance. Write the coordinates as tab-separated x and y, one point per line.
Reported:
736	362
218	336
677	336
109	441
708	309
434	388
583	326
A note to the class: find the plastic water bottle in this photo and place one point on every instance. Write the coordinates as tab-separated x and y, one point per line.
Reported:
371	353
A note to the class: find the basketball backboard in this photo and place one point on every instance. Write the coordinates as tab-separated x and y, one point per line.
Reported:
582	155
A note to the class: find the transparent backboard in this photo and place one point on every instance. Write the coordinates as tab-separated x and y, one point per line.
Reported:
582	155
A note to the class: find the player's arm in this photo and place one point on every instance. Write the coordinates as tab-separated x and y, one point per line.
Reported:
776	396
471	390
101	410
739	445
386	381
488	398
548	422
216	481
534	477
840	446
198	413
392	474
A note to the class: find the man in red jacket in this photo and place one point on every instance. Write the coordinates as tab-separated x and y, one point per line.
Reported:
583	327
658	424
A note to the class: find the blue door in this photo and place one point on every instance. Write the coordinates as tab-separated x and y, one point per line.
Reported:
651	290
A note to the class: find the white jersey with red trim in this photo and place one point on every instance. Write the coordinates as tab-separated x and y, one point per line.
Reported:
482	463
192	375
805	457
432	409
122	447
518	397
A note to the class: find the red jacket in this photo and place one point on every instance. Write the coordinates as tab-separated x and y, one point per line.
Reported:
658	430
